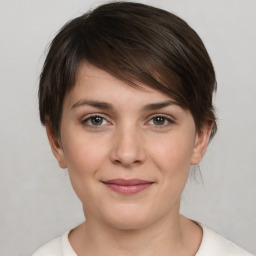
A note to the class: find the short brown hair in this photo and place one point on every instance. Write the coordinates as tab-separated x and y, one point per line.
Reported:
136	43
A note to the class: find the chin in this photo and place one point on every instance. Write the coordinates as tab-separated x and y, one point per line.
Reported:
129	218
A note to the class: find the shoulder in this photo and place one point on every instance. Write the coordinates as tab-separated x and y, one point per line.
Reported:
56	247
214	244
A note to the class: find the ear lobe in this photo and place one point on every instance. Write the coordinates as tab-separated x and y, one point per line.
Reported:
201	143
56	147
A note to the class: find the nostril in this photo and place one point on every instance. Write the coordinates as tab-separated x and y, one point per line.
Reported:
127	162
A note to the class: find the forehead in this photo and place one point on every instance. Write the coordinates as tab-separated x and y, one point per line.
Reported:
96	83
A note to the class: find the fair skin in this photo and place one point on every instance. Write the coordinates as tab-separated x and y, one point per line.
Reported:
111	131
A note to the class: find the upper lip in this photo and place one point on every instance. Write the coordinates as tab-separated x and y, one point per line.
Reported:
127	182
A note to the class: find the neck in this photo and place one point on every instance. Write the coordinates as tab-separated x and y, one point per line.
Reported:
171	236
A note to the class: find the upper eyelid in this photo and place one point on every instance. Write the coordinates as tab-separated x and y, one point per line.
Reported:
86	122
86	119
88	116
108	118
167	116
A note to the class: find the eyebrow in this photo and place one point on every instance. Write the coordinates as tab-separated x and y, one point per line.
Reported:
108	106
93	103
159	105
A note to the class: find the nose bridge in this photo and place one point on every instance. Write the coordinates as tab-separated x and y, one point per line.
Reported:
128	145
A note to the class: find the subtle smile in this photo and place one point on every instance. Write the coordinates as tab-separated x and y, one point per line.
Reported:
127	187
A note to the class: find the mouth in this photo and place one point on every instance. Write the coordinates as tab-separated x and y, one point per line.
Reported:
127	186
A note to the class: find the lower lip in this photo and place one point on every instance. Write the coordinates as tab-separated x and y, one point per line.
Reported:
128	189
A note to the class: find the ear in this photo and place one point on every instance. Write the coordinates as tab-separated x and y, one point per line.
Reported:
201	143
56	147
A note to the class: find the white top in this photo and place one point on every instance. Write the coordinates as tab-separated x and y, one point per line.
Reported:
212	245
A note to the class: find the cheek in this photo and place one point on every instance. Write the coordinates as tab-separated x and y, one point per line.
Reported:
84	155
84	158
173	154
171	157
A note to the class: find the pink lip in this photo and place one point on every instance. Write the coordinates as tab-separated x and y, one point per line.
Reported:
124	186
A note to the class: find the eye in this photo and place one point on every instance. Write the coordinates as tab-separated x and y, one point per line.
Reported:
160	121
94	121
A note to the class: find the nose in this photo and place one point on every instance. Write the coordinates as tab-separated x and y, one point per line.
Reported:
128	147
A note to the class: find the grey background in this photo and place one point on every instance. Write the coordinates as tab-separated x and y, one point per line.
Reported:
37	202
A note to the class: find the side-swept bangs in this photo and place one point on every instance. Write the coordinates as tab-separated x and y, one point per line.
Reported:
138	44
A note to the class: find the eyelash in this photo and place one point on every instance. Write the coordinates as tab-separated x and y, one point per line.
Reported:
168	119
85	121
88	119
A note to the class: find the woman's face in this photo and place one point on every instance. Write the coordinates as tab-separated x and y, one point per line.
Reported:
128	151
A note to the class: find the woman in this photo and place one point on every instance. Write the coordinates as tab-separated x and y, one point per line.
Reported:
126	98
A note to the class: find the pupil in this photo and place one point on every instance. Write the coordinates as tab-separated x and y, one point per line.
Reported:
159	120
97	120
